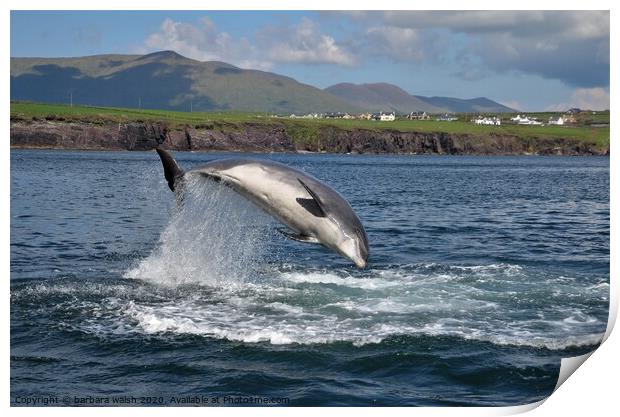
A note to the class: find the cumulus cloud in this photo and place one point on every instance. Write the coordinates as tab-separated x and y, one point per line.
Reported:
303	43
585	98
570	46
300	43
205	43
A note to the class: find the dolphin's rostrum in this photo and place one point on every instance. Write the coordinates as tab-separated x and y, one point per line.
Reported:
313	211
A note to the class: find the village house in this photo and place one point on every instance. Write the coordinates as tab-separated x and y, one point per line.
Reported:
337	115
525	120
491	121
306	116
385	117
558	122
418	115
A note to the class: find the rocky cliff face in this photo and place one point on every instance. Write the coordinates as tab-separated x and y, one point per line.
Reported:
274	137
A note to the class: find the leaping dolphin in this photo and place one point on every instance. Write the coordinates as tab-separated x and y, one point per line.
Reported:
314	212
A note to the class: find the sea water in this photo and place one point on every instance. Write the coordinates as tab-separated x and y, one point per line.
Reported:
484	272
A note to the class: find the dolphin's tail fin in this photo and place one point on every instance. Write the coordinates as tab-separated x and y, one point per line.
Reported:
172	172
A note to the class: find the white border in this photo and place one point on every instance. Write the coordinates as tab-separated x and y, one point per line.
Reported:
592	391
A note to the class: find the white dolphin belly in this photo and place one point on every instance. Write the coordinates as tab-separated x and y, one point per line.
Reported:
276	193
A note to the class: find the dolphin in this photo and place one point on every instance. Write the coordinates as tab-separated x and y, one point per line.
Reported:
313	211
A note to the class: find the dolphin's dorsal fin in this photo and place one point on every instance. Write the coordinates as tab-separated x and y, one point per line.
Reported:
172	172
298	237
315	197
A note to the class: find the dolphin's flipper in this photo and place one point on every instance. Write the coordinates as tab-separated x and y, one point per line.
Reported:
311	206
298	237
172	172
321	206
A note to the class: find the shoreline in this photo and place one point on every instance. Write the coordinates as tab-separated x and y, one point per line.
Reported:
279	138
41	148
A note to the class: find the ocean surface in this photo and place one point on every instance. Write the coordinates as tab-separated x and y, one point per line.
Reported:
484	272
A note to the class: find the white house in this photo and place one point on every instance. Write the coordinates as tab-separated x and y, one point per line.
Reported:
525	120
387	117
558	122
492	121
418	115
305	116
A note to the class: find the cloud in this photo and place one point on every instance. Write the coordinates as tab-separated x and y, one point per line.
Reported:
589	24
300	43
203	42
570	46
585	98
303	43
401	44
579	63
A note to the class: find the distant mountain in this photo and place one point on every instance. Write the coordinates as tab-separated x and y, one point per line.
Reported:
388	97
381	97
164	80
167	80
474	105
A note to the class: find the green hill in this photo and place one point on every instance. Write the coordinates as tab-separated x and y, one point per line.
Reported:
164	80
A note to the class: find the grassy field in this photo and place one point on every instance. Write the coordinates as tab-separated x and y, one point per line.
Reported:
301	127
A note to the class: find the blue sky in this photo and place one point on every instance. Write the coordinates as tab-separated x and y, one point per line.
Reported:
530	60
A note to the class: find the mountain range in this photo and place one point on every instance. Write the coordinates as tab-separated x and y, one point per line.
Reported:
167	80
389	97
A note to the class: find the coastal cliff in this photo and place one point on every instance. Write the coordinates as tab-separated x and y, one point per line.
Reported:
57	133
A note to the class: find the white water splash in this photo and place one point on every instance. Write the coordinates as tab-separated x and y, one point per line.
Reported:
313	306
216	237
